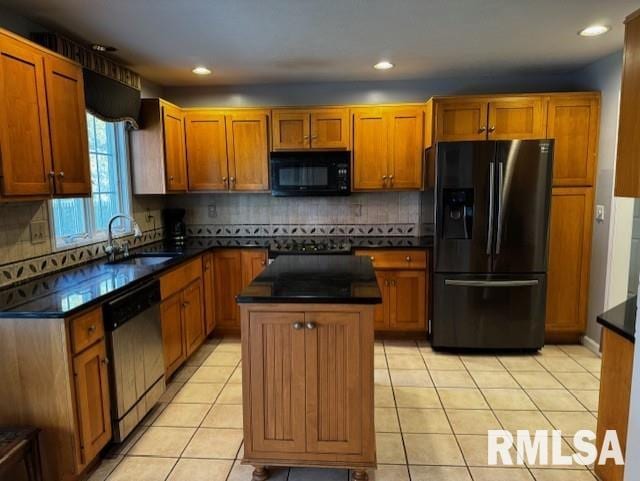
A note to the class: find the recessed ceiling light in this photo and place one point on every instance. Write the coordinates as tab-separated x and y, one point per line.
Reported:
594	30
102	48
383	65
200	70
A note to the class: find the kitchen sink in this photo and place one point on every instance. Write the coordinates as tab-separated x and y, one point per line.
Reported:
146	259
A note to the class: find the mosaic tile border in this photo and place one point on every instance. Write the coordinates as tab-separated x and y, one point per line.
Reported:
308	230
21	271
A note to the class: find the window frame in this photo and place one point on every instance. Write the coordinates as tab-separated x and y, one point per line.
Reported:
125	200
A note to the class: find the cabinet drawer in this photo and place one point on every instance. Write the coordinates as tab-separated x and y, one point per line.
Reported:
86	329
396	258
180	277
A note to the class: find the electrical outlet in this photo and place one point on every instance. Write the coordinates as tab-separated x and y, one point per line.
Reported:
38	231
599	213
356	210
212	212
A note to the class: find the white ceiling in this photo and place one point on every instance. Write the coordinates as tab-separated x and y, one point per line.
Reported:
258	41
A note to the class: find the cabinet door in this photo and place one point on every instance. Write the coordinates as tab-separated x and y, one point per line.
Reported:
92	400
628	154
253	263
209	293
572	121
194	329
68	127
405	148
248	150
290	130
381	311
206	151
370	150
517	118
173	344
330	129
277	380
569	259
334	383
24	128
228	282
408	304
174	150
461	120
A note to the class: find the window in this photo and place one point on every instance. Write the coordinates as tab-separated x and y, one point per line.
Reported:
85	220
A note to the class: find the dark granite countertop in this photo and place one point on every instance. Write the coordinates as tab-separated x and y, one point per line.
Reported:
621	319
335	279
65	293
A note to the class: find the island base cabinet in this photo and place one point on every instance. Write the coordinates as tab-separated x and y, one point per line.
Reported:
308	386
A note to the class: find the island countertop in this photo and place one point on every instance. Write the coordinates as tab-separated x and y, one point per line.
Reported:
323	279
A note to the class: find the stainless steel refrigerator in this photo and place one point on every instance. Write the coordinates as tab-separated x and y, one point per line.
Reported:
490	250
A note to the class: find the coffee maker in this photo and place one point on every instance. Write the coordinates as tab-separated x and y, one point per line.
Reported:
175	226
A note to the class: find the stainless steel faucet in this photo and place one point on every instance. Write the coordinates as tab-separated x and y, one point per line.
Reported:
113	248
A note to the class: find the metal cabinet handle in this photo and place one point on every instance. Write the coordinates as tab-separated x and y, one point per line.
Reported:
491	207
408	258
311	325
298	325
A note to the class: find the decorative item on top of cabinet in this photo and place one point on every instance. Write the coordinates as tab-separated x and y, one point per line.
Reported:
388	148
572	121
403	280
234	269
570	227
43	128
318	128
206	144
628	154
158	162
248	150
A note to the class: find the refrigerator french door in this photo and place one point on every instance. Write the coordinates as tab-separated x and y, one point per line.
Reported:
492	217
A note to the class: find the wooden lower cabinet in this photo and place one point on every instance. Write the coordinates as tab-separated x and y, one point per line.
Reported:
208	285
403	281
308	385
234	269
173	344
570	225
91	378
615	395
192	310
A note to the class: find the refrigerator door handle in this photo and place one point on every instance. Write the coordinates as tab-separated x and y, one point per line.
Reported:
461	283
491	208
500	201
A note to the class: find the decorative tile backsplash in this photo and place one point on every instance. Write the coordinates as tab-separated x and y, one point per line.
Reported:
305	230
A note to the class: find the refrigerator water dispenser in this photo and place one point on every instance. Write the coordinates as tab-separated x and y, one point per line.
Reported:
458	213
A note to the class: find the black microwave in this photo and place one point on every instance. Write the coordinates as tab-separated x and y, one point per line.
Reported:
310	173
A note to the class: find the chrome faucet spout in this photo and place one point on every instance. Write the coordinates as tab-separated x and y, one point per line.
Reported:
111	249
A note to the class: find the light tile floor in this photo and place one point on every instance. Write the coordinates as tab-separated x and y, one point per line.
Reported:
432	412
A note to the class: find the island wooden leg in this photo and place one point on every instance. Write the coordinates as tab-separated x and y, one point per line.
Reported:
360	475
260	473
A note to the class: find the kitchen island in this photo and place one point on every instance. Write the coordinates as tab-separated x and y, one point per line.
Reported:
307	370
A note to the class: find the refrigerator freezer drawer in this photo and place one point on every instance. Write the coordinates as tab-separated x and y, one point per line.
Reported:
490	311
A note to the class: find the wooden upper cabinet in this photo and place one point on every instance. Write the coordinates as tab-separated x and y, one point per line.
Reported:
334	388
516	118
290	130
572	121
460	119
329	128
228	281
370	149
24	127
569	259
174	148
277	380
628	154
68	127
206	151
406	148
248	150
92	400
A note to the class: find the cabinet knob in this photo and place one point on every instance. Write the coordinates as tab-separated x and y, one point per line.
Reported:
492	128
314	136
306	137
298	325
372	258
232	179
391	178
186	304
91	329
61	174
224	179
386	282
311	325
482	129
384	178
408	258
52	174
263	263
171	178
105	361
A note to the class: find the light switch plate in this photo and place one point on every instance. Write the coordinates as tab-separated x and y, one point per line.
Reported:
599	213
211	211
356	210
38	231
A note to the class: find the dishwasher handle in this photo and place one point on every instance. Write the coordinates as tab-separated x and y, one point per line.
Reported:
461	283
